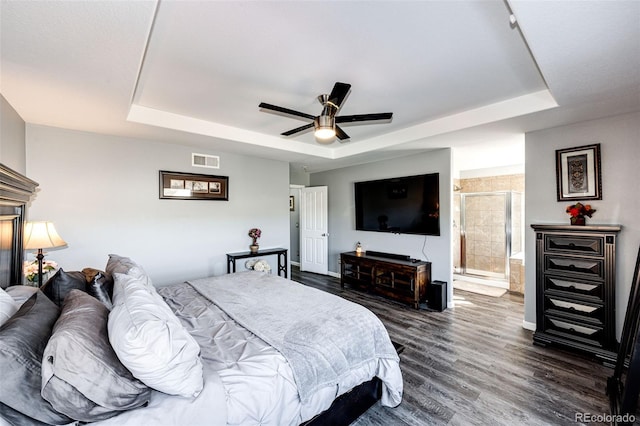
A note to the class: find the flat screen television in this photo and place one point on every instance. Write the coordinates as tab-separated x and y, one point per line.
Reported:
403	205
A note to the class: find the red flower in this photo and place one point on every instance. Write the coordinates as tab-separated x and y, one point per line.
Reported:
579	209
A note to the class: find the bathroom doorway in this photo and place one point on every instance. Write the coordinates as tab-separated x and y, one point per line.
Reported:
490	232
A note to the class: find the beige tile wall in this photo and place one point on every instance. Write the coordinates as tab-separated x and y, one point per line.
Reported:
484	222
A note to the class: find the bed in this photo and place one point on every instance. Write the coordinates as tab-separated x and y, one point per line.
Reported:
106	347
255	349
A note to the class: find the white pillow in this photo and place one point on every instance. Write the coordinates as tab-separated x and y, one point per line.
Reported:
150	340
8	306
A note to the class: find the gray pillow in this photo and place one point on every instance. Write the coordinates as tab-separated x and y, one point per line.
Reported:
118	265
61	283
21	293
16	418
81	375
22	342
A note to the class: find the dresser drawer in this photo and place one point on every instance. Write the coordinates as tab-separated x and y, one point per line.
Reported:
570	286
593	246
593	268
585	333
582	311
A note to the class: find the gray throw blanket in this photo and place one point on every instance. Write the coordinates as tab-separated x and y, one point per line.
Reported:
322	336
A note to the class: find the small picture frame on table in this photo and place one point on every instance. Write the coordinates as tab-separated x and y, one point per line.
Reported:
578	173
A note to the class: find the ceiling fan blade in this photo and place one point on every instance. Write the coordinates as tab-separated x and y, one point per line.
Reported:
298	130
380	117
339	93
285	111
340	134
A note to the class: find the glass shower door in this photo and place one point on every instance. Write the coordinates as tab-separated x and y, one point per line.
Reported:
486	229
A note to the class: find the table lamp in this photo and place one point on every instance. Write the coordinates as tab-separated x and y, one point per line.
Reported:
39	236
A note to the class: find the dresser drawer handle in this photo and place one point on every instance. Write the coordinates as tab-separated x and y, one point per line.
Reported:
572	266
573	330
572	244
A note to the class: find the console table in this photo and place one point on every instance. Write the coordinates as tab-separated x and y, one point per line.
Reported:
401	280
280	252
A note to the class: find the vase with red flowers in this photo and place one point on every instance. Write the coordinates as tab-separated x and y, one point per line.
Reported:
578	213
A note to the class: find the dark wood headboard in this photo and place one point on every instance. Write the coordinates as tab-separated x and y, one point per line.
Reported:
15	192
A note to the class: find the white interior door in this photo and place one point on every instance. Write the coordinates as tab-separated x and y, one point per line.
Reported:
314	233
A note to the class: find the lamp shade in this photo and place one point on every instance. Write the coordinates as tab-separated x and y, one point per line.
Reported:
41	235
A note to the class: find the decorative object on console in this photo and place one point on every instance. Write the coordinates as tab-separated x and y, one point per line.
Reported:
358	248
254	233
578	173
578	211
39	236
259	265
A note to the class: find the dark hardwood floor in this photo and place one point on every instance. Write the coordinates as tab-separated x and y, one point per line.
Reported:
476	365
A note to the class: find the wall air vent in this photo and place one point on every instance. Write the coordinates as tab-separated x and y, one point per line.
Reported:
202	160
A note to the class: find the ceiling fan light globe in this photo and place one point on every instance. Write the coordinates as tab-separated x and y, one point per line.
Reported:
325	134
325	129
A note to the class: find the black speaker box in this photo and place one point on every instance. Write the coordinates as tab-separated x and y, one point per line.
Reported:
437	296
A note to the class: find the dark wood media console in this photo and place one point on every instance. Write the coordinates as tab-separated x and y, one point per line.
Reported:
387	275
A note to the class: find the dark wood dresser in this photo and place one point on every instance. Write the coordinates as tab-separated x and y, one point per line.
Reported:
575	282
401	280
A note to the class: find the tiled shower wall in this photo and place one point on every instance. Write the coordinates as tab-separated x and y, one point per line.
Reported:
485	222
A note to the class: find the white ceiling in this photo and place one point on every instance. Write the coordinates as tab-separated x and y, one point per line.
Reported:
454	74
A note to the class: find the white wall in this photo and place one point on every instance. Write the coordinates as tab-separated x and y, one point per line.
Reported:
619	137
101	192
12	138
343	235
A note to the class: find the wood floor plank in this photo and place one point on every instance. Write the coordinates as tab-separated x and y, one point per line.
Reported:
475	364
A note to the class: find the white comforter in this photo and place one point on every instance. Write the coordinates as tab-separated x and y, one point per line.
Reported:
247	381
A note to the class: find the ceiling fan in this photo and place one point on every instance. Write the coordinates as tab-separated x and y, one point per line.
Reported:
326	124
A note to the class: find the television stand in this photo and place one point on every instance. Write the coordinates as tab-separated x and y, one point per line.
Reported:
398	279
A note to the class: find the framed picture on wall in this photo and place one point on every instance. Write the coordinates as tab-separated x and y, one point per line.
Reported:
193	186
578	173
292	205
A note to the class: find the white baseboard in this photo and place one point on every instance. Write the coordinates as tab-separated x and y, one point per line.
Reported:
295	263
529	325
